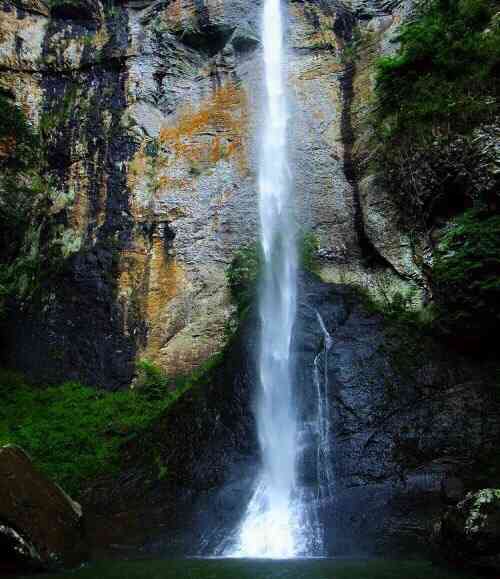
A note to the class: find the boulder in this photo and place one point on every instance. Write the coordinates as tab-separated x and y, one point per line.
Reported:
40	526
470	532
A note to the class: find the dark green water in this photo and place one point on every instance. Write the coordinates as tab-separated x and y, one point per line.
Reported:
259	569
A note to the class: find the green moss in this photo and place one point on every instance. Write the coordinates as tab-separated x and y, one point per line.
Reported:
398	306
34	242
73	432
152	381
245	268
18	140
154	384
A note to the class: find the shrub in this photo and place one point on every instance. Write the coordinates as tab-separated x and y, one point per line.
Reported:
466	275
152	382
242	275
445	74
308	249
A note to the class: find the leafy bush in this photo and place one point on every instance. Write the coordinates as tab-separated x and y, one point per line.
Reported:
242	275
399	307
73	432
244	270
308	249
436	107
445	74
466	275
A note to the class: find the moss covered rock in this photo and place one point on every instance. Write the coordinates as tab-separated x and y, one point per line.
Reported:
470	532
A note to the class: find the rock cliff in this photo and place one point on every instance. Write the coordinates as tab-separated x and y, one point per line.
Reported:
149	118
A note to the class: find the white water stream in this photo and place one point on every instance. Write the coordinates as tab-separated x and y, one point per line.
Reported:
282	520
271	525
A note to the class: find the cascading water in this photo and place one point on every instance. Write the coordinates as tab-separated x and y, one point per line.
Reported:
284	516
323	459
271	525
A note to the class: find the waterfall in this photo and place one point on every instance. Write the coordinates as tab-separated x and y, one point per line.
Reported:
323	459
270	527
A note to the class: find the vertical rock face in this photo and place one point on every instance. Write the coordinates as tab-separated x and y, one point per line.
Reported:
149	118
407	418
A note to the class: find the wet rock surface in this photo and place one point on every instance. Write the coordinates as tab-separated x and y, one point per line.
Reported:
407	417
40	526
150	110
190	478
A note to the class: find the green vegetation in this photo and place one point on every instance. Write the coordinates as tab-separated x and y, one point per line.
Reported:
445	75
435	123
243	272
19	192
466	273
242	275
436	104
398	307
308	249
73	432
18	140
153	384
247	569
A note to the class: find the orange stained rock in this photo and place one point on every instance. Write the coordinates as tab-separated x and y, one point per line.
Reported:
166	182
149	278
321	67
214	131
166	278
178	9
137	167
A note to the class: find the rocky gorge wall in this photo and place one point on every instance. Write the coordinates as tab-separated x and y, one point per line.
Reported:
149	113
